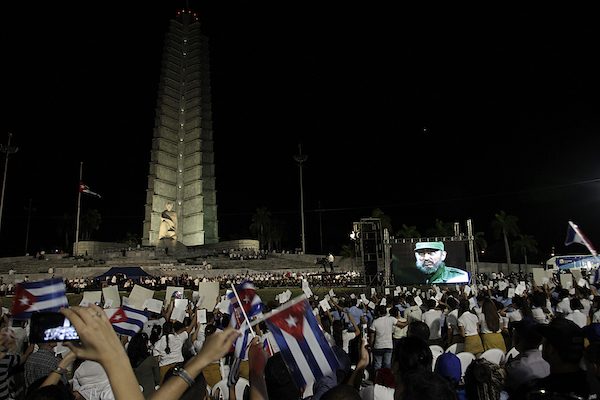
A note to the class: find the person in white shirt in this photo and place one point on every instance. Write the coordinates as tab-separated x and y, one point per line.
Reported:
91	382
414	312
563	306
433	317
468	323
452	322
169	348
381	338
577	316
490	324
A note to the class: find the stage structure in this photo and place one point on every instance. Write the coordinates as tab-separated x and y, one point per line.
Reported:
400	257
181	178
368	241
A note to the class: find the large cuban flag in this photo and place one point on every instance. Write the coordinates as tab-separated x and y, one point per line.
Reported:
575	235
301	342
46	295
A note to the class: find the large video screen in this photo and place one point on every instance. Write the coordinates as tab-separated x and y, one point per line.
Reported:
429	262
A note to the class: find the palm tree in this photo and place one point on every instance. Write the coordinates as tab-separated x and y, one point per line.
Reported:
525	244
386	220
261	225
408	232
90	222
441	229
505	225
480	244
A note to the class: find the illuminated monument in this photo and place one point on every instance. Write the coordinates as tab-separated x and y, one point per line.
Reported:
182	169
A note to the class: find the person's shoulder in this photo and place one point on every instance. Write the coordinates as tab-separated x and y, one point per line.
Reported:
456	275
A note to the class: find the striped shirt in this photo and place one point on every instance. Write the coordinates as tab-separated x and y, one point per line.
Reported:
6	364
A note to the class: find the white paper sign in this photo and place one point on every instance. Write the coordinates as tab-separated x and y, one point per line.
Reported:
566	280
169	293
331	294
383	302
125	301
538	275
418	301
386	291
373	291
201	316
371	305
511	293
467	290
439	296
178	314
306	288
324	305
153	305
209	291
111	293
91	297
138	296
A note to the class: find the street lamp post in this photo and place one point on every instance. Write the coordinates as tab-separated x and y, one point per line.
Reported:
6	150
300	159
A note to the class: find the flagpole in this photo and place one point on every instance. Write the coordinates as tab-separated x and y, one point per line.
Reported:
78	209
243	312
278	310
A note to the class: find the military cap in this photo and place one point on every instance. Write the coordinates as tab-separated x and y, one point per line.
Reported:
429	245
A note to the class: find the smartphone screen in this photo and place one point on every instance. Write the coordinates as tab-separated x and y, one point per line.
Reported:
51	327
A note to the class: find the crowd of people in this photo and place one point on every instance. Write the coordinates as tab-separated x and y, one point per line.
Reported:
392	343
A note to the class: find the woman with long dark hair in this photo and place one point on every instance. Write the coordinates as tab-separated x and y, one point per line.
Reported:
145	366
491	328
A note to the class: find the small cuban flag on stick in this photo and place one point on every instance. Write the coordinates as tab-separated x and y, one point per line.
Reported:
126	320
244	305
574	235
45	295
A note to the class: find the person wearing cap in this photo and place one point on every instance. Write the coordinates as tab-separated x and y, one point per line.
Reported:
529	364
562	347
430	257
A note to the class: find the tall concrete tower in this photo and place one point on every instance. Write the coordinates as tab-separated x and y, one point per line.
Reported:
182	169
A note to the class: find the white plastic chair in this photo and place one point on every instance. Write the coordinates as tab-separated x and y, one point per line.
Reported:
240	387
220	391
512	353
455	348
493	355
465	360
436	350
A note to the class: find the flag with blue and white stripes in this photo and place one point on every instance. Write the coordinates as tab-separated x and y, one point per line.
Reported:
302	344
45	295
126	320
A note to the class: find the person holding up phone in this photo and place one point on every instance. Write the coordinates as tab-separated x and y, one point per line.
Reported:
100	343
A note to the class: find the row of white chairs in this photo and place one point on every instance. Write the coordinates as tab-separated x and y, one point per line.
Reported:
496	356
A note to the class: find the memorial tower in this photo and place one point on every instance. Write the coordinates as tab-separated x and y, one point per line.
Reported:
182	169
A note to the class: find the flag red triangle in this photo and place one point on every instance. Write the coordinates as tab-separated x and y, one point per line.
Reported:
22	301
118	316
291	320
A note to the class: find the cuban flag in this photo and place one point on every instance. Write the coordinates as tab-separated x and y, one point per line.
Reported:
574	235
83	188
251	304
301	342
126	320
46	295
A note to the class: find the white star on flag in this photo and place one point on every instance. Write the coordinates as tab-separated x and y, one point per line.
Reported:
291	321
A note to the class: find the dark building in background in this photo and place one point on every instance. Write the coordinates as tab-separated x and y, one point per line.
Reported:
182	169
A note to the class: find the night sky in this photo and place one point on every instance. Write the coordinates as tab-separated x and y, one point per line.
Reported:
427	113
